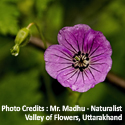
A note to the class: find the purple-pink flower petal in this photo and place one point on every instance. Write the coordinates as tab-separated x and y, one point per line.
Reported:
57	58
76	80
95	43
73	37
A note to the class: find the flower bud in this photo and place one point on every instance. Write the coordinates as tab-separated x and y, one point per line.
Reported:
22	38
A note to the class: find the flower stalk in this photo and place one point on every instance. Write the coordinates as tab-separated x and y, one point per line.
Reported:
41	34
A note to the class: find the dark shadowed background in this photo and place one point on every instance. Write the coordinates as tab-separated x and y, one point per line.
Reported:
23	79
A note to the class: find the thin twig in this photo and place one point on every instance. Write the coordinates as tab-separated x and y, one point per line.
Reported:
115	79
37	42
111	77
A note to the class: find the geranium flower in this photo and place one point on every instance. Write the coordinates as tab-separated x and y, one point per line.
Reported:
81	60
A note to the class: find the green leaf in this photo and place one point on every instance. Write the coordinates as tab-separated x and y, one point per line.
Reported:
8	17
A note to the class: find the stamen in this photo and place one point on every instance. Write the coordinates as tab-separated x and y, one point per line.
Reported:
87	54
81	69
79	52
77	58
87	59
81	61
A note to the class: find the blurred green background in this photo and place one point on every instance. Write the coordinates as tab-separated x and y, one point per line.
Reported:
23	79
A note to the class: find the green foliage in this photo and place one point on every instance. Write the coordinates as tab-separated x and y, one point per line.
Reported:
112	17
42	6
55	16
19	90
8	17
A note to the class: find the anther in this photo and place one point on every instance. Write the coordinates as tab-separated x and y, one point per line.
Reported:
76	67
79	52
87	54
81	61
81	69
87	58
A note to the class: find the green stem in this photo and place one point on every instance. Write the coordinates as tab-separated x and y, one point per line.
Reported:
41	34
79	96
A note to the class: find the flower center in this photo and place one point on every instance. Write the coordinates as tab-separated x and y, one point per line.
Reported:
81	61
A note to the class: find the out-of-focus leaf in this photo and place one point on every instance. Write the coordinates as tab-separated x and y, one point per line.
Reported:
8	17
99	93
112	18
42	6
19	90
54	18
118	43
93	96
25	7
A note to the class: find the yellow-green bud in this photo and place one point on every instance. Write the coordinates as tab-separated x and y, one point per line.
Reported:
22	38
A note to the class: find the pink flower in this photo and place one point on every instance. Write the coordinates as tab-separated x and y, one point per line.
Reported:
81	60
